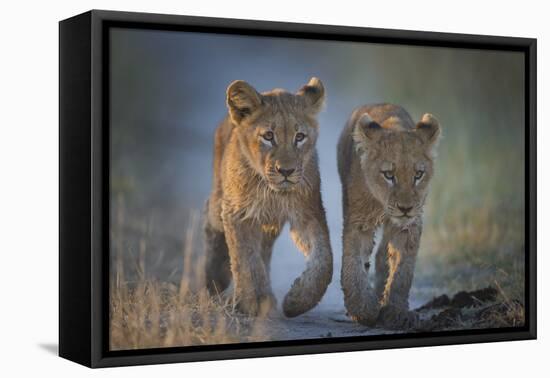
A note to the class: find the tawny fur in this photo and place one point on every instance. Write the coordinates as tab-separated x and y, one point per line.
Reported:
377	139
251	200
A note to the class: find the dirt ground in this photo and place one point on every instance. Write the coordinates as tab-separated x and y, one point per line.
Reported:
463	310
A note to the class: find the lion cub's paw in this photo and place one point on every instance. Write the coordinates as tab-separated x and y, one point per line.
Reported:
392	317
256	306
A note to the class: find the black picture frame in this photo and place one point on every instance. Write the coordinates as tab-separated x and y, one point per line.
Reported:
84	189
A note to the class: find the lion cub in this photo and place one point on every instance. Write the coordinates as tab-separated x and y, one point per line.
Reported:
266	174
385	163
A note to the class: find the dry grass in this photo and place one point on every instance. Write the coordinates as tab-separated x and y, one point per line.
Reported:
502	313
474	233
508	313
146	313
153	314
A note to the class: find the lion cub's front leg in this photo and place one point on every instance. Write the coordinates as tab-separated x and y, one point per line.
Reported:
252	293
359	298
398	272
310	234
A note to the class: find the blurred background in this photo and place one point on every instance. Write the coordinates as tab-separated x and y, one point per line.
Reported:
168	96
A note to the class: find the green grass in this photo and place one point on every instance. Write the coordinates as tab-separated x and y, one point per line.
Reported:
474	233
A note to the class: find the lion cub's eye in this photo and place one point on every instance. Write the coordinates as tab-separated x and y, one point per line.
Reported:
300	137
418	176
268	135
388	175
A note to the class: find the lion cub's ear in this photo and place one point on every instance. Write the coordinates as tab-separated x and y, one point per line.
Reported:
366	130
242	100
429	130
314	95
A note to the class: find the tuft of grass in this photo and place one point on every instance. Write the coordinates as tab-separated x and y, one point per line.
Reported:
148	313
153	314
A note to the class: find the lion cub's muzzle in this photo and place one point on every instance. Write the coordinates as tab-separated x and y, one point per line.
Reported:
401	214
284	177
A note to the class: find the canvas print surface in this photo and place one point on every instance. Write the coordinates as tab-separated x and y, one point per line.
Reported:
272	189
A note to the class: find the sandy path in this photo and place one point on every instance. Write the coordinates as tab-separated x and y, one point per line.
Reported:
318	323
327	319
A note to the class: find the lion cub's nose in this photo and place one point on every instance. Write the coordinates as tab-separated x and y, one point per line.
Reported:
404	209
285	172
